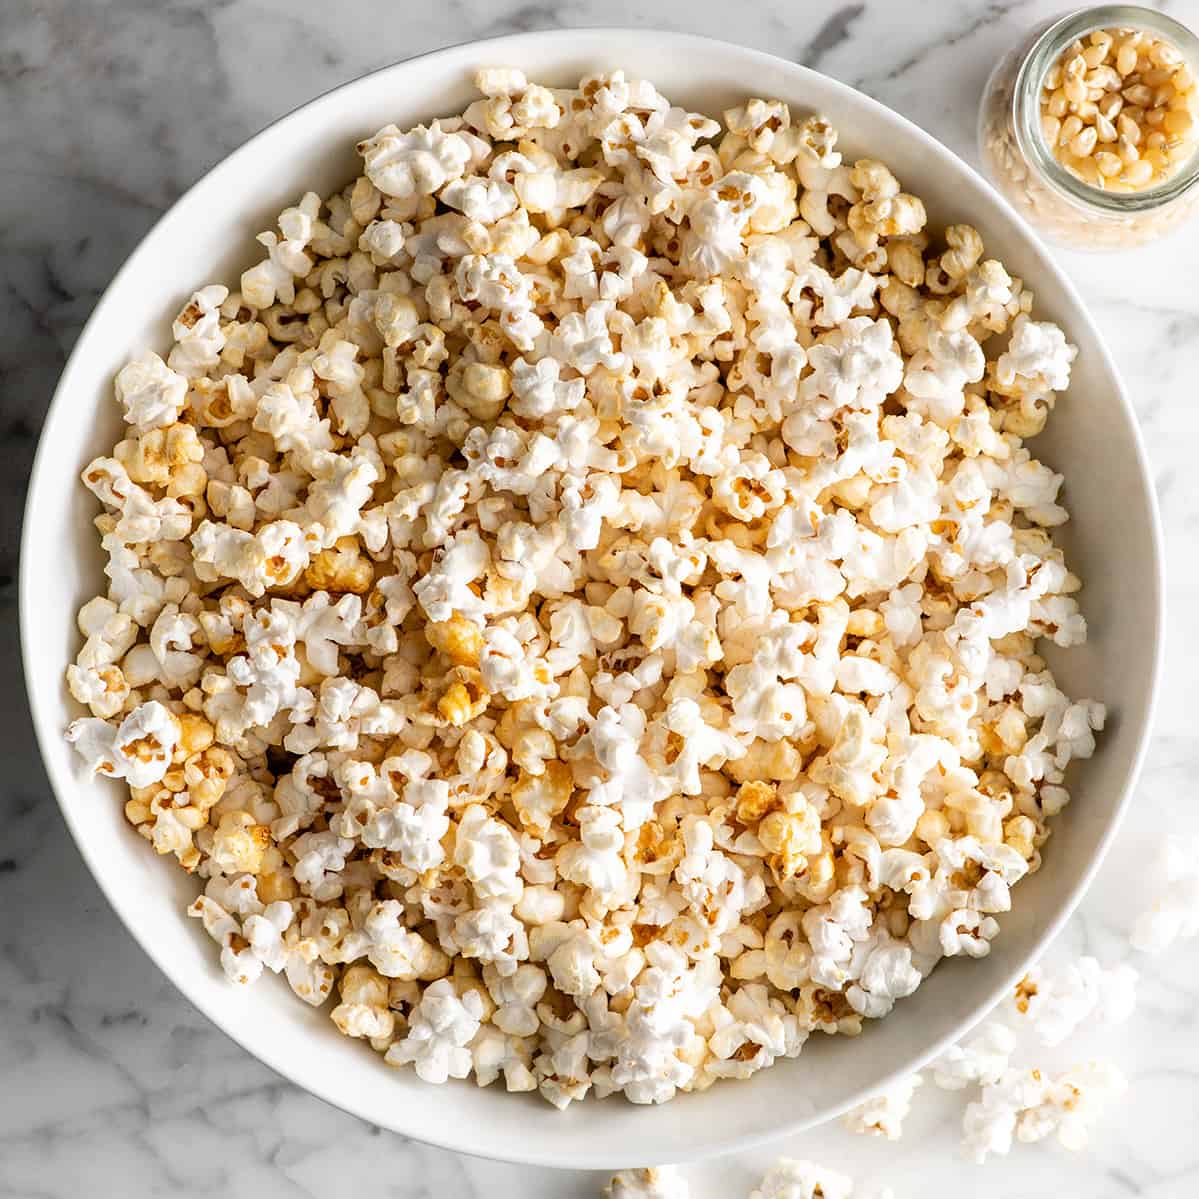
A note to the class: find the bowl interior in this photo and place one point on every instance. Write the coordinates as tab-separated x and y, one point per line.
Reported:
207	236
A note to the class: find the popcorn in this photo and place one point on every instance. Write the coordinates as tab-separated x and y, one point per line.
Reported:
363	1010
341	487
630	785
1176	912
320	859
938	375
139	749
854	366
394	950
171	641
556	191
751	1032
104	689
414	163
291	419
516	994
579	598
791	1179
507	667
413	828
884	1114
488	853
272	557
583	341
595	861
983	1060
249	945
445	588
311	980
886	974
238	844
656	1182
539	392
151	393
883	210
701	745
482	200
492	935
439	1030
199	338
832	930
274	278
1056	1004
667	994
713	884
1029	1105
1038	357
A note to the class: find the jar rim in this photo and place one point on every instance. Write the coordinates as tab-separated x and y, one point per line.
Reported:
1026	108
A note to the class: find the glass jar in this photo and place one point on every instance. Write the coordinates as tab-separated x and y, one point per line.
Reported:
1061	205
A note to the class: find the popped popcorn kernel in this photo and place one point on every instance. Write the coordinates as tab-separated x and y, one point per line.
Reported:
656	1182
792	1179
1175	913
1055	1004
461	640
884	1114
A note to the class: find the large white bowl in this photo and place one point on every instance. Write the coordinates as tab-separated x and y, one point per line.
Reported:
1113	543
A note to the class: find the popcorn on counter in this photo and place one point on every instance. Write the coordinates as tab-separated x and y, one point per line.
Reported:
660	1182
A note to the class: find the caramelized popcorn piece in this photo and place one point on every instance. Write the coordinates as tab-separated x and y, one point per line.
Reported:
461	640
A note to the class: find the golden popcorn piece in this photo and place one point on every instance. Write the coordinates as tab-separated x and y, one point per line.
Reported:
461	640
464	697
340	569
538	798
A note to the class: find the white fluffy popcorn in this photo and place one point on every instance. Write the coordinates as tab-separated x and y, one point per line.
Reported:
414	163
789	1178
982	1060
1038	357
578	600
138	750
1012	1102
438	1033
1055	1003
1030	1105
883	1114
151	394
251	945
656	1182
199	339
1175	912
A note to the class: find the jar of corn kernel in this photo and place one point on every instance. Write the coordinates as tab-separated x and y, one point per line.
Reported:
1091	126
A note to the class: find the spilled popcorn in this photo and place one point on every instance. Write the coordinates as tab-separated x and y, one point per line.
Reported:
1055	1004
982	1060
883	1114
1030	1105
657	1182
792	1179
788	1178
1175	912
1018	1103
576	606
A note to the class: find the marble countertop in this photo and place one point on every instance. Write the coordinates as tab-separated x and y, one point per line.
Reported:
108	111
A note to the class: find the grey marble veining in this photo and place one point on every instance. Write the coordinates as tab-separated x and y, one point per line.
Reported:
108	110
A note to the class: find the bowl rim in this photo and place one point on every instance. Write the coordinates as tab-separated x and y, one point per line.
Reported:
47	727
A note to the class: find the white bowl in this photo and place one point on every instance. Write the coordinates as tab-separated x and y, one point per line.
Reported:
1113	542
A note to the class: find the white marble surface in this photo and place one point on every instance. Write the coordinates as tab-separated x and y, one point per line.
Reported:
108	110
